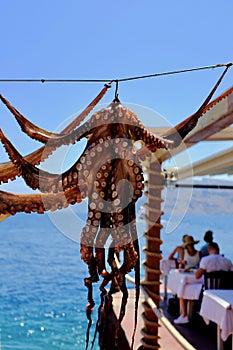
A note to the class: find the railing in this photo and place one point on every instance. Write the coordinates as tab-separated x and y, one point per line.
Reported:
164	321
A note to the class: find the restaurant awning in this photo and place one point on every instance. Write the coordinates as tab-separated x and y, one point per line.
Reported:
215	125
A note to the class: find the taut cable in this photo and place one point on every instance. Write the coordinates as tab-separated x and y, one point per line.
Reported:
113	80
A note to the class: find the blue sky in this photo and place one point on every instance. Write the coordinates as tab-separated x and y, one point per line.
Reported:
54	39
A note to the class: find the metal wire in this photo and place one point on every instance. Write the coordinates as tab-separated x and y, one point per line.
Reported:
113	80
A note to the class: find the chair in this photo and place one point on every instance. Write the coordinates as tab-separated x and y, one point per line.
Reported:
218	280
215	280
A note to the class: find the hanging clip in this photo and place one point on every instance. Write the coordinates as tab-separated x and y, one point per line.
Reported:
116	99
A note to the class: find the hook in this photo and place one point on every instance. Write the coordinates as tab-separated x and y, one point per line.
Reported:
116	99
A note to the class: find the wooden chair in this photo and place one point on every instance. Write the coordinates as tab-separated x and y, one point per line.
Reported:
218	280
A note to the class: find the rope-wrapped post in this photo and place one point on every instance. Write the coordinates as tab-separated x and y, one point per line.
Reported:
151	283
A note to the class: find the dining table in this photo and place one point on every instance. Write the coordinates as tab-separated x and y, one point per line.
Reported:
184	284
217	306
165	266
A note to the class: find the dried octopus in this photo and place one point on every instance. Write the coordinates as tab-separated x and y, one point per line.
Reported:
108	173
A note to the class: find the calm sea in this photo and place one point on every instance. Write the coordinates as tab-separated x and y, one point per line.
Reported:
42	298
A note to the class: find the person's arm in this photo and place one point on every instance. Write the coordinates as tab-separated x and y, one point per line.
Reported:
199	273
171	256
179	250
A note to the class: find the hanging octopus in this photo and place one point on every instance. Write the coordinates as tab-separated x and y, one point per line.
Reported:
108	173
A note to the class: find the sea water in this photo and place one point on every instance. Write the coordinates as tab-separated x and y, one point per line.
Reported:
42	296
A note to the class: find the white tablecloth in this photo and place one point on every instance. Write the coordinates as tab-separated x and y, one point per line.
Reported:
184	284
166	266
217	306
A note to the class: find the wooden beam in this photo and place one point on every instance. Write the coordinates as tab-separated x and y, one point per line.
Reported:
220	163
223	135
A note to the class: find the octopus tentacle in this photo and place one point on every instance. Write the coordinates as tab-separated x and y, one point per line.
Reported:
98	213
131	260
43	135
179	132
120	236
33	177
135	130
37	178
95	219
39	203
118	282
9	171
98	209
100	243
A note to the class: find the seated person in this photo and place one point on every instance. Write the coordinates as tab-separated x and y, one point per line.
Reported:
178	253
208	238
191	256
213	262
